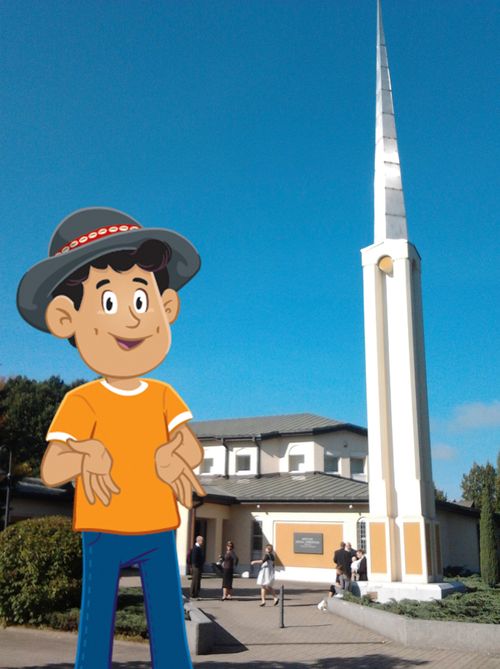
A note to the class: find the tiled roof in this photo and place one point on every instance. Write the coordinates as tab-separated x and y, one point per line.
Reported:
268	426
308	487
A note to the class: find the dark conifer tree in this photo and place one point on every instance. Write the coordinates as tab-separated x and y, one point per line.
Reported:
488	544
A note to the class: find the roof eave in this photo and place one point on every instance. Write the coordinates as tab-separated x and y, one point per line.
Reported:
286	433
296	502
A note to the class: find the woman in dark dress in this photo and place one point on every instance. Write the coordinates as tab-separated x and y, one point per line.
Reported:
230	561
362	570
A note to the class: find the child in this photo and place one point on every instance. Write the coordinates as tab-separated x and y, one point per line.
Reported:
110	287
355	567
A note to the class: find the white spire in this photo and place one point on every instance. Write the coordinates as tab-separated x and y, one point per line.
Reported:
390	215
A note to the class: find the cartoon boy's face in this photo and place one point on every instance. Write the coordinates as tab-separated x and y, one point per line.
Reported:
122	328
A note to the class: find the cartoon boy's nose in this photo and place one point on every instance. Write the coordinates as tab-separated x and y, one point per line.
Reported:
136	320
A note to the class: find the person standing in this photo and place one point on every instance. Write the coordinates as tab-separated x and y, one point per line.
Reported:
230	561
265	577
342	558
362	568
350	550
197	562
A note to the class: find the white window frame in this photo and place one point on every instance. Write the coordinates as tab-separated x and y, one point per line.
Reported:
358	474
333	455
303	463
361	535
296	450
242	455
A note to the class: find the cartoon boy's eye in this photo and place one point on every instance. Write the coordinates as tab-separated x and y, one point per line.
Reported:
140	301
109	302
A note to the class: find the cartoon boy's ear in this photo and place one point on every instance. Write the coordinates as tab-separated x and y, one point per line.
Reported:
60	317
171	304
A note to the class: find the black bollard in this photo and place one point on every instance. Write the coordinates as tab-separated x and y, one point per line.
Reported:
282	606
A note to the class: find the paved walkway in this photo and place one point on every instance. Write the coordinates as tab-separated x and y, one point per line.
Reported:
249	636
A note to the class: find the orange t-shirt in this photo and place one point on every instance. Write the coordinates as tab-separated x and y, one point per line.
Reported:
131	425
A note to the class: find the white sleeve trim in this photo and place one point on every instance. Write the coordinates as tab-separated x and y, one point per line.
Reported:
59	436
179	419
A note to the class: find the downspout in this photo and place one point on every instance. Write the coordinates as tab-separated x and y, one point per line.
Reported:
257	441
226	459
192	518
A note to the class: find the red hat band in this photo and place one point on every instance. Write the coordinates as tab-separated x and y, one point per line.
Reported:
93	235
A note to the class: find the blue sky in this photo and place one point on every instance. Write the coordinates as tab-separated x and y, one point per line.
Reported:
249	128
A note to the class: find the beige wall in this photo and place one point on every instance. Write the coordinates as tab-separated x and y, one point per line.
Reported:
458	534
238	525
218	516
345	445
284	540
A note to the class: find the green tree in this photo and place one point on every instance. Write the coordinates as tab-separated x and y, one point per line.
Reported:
440	495
488	543
497	484
26	411
478	478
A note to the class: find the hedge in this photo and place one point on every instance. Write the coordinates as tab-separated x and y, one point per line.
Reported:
40	569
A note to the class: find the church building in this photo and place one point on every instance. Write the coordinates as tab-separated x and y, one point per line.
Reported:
299	482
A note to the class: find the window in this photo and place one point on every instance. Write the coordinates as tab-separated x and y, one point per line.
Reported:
206	466
242	463
257	539
331	463
296	463
357	466
361	533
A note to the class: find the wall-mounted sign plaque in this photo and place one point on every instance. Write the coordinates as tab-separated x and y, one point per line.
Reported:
308	542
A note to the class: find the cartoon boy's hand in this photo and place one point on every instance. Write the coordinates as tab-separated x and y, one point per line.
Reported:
96	470
173	469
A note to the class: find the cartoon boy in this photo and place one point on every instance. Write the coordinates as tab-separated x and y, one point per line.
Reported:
110	287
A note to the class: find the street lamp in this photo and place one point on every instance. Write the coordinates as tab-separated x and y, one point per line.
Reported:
9	486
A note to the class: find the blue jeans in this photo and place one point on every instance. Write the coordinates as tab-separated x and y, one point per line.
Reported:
103	557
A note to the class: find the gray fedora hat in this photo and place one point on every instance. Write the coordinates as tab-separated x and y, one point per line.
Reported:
85	235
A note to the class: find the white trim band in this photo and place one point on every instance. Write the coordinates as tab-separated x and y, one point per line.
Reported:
60	436
126	393
179	419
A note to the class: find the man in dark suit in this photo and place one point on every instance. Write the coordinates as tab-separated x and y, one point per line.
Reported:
342	558
350	549
197	562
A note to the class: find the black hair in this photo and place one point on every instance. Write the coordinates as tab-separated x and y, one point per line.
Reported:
151	256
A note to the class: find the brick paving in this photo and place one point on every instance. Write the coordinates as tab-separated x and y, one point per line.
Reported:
249	636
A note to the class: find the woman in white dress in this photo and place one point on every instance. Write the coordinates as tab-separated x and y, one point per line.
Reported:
265	577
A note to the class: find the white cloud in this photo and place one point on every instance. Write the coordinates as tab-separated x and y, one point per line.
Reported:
475	415
443	452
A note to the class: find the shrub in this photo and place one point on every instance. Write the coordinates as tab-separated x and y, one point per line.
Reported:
130	614
63	620
40	569
481	604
